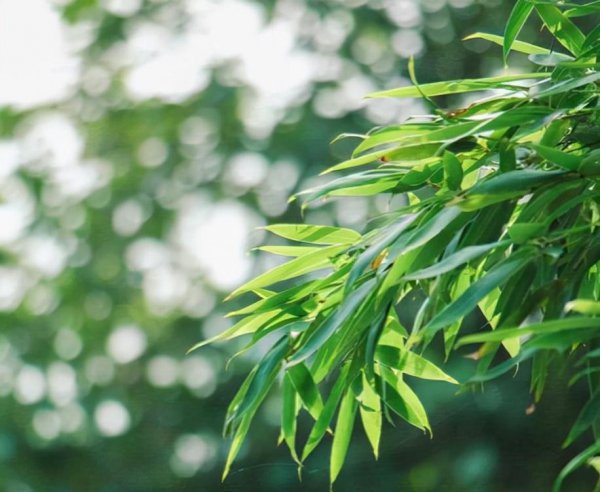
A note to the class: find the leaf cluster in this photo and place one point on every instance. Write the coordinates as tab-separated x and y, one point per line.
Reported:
500	219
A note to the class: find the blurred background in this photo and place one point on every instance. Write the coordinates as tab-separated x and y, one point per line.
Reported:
142	144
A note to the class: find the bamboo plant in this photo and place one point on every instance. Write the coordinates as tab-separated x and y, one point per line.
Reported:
501	216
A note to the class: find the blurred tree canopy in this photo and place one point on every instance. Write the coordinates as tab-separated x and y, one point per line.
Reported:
142	144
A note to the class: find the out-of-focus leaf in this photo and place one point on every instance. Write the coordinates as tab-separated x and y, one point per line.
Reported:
590	413
453	171
560	158
583	306
575	463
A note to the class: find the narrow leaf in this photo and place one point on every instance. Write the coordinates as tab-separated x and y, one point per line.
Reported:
457	86
518	17
342	435
316	234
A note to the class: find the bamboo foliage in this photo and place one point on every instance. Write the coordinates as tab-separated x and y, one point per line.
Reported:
501	219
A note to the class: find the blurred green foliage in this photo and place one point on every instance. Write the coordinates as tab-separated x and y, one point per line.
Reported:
127	211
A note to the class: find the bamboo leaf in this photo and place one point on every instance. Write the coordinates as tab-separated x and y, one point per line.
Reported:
320	427
590	414
306	388
518	17
520	46
575	463
561	27
370	413
583	306
289	413
293	268
476	292
457	86
315	234
342	435
454	261
533	329
412	364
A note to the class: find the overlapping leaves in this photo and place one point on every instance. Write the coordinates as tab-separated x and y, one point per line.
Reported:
501	220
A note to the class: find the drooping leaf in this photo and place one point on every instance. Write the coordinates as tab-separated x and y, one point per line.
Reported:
306	389
590	414
342	434
477	291
370	413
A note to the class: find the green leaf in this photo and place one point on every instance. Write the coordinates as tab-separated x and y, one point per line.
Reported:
320	427
342	435
412	364
289	413
563	159
515	181
457	86
367	258
590	414
522	232
315	234
561	27
263	379
236	444
284	250
562	87
403	400
583	306
370	413
453	171
575	463
391	135
455	260
533	329
306	388
245	326
518	17
520	46
317	338
293	268
477	291
583	10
